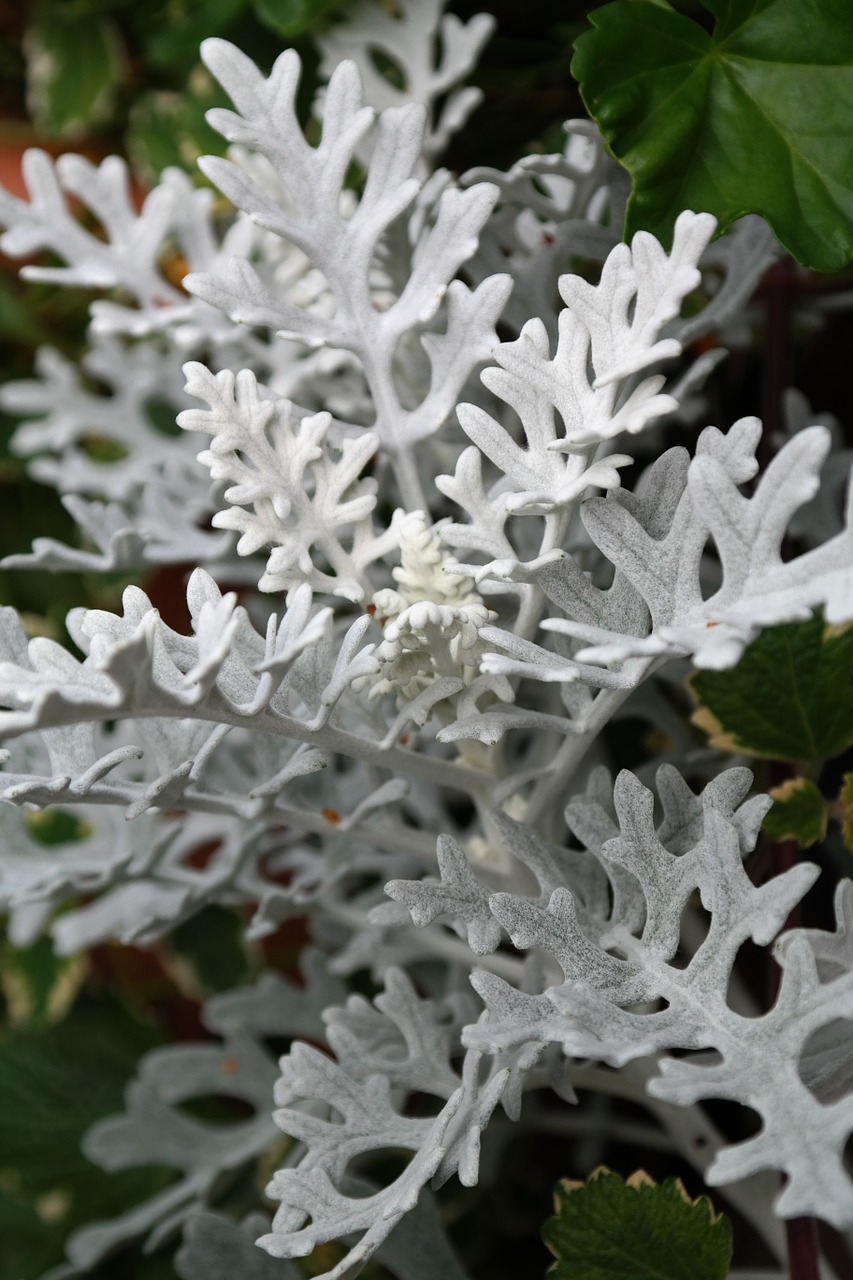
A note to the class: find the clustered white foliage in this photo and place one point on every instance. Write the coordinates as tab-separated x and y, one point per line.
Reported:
454	559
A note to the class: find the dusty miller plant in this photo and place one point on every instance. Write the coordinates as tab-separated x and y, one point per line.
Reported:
422	593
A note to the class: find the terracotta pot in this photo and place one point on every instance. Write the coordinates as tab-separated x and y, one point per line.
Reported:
16	136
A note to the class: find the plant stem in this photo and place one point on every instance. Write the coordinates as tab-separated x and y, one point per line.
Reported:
778	287
803	1251
551	789
434	941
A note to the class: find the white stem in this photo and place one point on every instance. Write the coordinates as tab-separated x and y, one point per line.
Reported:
434	941
630	1132
551	788
412	492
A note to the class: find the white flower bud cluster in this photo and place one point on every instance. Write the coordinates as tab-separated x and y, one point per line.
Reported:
432	623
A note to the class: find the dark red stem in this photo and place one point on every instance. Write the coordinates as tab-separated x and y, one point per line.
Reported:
779	288
803	1251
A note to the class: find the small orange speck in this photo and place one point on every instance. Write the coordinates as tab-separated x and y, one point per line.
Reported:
712	624
230	1065
382	621
548	239
404	741
371	609
332	816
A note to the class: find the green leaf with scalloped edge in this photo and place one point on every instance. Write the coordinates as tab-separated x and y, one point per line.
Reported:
752	118
607	1228
74	63
789	698
799	813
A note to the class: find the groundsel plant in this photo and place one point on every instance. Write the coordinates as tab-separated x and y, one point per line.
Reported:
424	588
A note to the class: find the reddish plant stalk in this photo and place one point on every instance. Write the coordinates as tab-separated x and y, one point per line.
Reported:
779	287
803	1250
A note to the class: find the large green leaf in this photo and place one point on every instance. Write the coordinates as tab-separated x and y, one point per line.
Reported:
55	1081
294	17
170	31
789	698
799	813
38	985
636	1230
212	944
754	118
73	66
170	129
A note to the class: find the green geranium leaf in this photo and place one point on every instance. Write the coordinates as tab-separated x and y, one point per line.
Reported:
294	17
753	118
170	129
211	943
170	31
56	826
799	813
789	698
55	1081
635	1230
30	1242
38	985
73	66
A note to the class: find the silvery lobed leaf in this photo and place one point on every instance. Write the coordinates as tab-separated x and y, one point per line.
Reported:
158	525
401	1043
135	664
129	257
552	208
156	1128
287	486
704	502
616	967
342	242
409	37
822	518
65	417
214	1248
587	392
463	893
